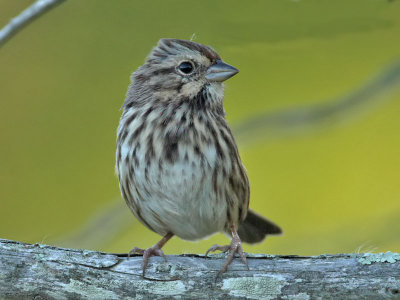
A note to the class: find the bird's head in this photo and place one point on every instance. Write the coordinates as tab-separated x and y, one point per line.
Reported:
178	69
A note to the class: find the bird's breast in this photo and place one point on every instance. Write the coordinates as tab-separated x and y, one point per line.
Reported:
171	174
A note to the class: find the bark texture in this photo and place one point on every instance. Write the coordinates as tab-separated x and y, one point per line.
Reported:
44	272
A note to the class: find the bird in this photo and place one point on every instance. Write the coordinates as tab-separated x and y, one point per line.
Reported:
177	161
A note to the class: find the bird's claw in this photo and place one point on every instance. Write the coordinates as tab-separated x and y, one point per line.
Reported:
147	253
216	247
234	247
135	250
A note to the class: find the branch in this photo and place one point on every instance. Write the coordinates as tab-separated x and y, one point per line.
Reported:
45	272
28	15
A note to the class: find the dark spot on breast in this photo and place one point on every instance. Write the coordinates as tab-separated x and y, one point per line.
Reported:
219	150
160	166
199	102
183	119
230	142
195	133
149	156
214	137
171	152
171	147
197	150
136	133
131	173
122	135
134	156
130	119
166	120
147	113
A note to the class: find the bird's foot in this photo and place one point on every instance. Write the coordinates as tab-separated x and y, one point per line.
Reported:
152	251
147	253
234	247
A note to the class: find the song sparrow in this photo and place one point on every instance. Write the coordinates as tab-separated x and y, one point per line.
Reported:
177	162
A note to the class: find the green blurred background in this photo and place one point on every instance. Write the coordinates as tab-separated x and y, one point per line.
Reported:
333	186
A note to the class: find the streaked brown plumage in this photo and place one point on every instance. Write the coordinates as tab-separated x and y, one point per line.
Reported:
178	165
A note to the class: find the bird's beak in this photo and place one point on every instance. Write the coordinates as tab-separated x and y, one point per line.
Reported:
220	71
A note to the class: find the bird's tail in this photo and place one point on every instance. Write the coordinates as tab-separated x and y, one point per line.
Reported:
255	228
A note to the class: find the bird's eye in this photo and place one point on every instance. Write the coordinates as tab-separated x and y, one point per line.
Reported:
186	67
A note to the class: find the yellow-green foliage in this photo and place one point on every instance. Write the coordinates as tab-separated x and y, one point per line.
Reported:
63	80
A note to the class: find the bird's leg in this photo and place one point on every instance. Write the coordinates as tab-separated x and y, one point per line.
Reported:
152	251
234	247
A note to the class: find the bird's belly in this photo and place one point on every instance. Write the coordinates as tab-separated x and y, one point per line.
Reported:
180	197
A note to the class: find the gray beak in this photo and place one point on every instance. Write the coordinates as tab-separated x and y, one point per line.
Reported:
220	71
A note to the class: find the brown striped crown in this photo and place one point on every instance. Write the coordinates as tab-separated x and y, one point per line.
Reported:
170	47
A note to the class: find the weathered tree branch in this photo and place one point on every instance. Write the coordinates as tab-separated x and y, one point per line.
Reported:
45	272
24	18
